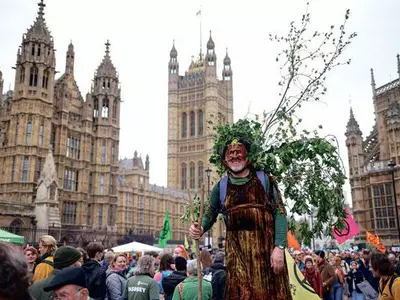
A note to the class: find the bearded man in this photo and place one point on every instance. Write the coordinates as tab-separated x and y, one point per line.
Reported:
256	227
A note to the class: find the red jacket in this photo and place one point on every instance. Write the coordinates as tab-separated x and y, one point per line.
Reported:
313	277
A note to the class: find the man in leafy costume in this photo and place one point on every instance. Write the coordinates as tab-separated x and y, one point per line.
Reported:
255	219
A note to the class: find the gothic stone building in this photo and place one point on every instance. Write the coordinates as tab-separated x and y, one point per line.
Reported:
197	102
370	175
48	120
142	206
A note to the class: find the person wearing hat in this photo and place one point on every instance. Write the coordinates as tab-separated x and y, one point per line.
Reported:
64	257
255	218
298	255
328	274
69	283
312	275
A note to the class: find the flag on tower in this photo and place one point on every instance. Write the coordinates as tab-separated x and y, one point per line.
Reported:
165	234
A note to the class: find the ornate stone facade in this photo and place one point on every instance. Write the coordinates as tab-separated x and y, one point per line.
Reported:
45	113
197	102
142	206
370	175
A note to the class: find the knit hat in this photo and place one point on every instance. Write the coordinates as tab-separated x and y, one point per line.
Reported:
180	263
320	253
65	256
30	248
307	259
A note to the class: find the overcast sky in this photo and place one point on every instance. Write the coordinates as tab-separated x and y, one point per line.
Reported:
141	35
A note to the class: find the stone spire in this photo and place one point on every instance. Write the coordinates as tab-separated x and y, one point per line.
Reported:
70	60
173	65
373	82
147	163
352	125
227	71
398	64
106	67
46	201
39	28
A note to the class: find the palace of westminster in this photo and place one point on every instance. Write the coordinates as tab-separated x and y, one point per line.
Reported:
59	151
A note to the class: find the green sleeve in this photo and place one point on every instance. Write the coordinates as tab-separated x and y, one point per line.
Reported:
154	293
176	295
211	213
280	220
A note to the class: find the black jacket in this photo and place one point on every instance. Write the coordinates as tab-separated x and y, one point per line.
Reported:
357	277
171	281
218	272
96	279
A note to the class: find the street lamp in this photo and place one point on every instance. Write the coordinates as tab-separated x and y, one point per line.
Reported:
208	172
393	166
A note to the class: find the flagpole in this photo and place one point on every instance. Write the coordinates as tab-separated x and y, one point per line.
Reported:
201	32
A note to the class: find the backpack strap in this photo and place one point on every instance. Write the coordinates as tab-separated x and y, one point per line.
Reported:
48	262
392	280
180	288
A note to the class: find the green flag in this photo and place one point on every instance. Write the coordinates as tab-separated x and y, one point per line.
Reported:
165	234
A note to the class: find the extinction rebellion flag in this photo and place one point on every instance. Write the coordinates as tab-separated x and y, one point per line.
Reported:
165	234
349	231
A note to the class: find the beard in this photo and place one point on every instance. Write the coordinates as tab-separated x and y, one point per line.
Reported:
237	167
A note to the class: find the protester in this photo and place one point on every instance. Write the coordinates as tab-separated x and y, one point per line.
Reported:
95	275
187	289
181	251
84	256
327	274
218	279
313	276
355	277
205	259
389	284
142	286
47	247
157	257
170	282
14	279
64	257
31	256
108	258
297	255
116	280
166	269
69	284
339	283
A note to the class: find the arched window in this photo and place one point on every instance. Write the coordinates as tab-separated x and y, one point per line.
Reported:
16	226
41	129
183	176
200	120
184	125
200	173
33	49
39	48
45	80
192	124
22	75
114	108
192	175
105	108
33	78
95	108
28	134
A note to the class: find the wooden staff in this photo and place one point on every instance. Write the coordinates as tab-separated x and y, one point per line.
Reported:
197	243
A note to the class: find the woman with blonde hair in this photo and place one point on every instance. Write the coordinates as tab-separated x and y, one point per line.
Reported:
47	248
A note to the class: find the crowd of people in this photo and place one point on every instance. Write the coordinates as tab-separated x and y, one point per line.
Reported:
65	272
337	275
68	273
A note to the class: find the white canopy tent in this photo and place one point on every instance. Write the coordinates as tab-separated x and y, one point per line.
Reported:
136	247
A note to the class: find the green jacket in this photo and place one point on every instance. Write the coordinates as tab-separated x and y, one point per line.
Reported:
190	288
36	289
141	287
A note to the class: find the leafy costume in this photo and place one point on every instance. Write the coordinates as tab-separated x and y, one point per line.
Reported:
255	224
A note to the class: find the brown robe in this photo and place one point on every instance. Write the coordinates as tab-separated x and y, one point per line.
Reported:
249	245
